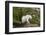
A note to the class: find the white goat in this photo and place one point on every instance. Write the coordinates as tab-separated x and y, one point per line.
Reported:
26	18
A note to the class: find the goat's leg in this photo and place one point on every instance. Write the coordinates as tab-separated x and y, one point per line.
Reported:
28	21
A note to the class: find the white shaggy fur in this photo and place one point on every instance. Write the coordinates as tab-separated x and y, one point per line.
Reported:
26	18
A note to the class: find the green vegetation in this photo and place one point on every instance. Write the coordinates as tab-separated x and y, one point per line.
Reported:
18	12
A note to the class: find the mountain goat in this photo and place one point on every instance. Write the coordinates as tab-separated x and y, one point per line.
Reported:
26	18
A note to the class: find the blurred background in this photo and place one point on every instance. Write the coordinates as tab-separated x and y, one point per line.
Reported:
18	12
